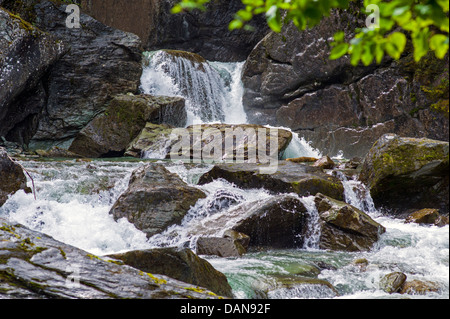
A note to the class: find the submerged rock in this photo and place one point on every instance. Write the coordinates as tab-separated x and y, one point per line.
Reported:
289	178
109	134
35	266
407	173
288	287
155	199
393	282
425	216
12	177
344	227
180	264
419	287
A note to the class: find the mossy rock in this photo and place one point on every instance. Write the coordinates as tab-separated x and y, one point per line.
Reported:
109	134
407	173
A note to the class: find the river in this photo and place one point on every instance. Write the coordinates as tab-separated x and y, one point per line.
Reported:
74	198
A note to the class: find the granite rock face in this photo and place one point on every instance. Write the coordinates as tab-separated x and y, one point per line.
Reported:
289	81
205	33
26	54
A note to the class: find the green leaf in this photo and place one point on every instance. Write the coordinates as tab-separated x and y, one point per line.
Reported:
439	44
420	42
339	36
395	45
338	51
235	24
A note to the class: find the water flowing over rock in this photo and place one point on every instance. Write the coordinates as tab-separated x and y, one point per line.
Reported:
180	73
181	264
110	133
407	173
155	199
344	227
101	62
26	53
12	177
35	266
288	178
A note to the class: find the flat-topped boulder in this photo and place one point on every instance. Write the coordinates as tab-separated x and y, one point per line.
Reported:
289	178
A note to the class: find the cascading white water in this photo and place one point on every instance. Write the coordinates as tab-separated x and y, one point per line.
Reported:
208	97
74	199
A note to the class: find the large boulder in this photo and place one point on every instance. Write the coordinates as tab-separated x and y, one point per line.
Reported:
226	142
408	173
12	177
289	178
101	62
26	53
276	222
155	199
344	227
110	133
181	264
35	266
205	33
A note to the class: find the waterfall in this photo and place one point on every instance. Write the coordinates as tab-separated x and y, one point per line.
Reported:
212	90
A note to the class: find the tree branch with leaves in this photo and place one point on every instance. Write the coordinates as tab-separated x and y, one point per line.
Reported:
424	22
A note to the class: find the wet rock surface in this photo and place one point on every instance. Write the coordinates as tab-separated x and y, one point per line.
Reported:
155	199
35	266
181	264
289	177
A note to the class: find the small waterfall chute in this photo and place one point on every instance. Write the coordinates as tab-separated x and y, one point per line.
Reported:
188	75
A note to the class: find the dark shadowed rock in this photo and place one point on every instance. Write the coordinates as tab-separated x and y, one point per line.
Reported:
276	222
155	199
180	264
205	33
101	63
289	178
26	53
12	177
35	266
407	173
344	227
